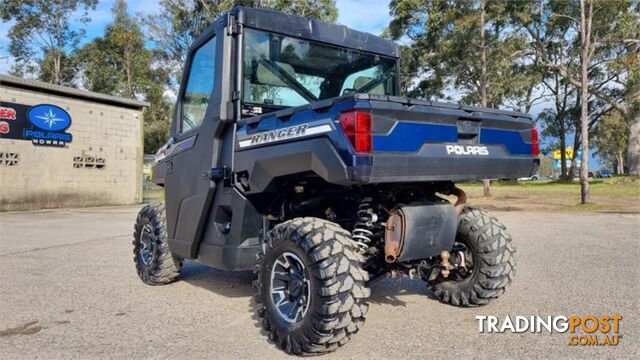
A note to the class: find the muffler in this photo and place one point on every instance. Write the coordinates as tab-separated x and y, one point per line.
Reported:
420	231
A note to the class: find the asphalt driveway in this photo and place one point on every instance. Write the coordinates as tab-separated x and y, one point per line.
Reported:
68	289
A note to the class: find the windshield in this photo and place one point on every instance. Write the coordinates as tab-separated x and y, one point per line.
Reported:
283	71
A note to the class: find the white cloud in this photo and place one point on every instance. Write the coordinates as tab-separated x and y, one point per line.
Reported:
370	16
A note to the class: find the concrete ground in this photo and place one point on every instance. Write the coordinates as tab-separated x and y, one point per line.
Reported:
68	289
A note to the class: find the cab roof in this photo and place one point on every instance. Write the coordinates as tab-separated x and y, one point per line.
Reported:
297	26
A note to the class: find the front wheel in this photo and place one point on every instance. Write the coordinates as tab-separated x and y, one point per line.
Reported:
311	286
154	263
484	261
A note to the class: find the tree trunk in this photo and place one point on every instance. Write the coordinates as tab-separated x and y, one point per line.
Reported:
563	150
486	186
585	46
620	162
574	162
483	79
633	148
57	67
483	57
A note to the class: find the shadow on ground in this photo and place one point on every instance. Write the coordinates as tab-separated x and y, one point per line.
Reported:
384	290
226	283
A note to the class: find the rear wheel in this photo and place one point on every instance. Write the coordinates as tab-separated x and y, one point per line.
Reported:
311	286
154	263
484	261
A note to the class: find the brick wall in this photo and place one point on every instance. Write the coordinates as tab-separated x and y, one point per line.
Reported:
101	166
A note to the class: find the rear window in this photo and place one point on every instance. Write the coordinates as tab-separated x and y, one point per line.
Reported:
286	71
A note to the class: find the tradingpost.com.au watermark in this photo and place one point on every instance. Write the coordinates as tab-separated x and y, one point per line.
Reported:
587	330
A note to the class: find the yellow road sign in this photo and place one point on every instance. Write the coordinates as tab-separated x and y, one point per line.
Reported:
568	153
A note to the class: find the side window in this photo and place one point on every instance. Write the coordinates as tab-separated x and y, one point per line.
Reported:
199	86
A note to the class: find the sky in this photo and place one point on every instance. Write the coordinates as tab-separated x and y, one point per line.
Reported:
370	16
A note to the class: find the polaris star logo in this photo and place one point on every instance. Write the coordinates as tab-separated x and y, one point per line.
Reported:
290	132
467	150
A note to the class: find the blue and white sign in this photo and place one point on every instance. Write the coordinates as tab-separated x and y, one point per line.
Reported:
49	123
49	117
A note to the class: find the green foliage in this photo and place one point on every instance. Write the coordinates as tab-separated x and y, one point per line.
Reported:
157	117
117	63
120	64
546	169
178	24
42	37
68	68
613	72
324	10
610	140
554	125
447	49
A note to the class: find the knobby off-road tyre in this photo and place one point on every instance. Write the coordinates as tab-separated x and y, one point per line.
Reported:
154	263
493	261
323	253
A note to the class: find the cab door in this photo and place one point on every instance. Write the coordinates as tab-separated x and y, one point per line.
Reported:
197	130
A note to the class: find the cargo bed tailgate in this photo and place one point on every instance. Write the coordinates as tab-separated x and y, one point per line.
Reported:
415	140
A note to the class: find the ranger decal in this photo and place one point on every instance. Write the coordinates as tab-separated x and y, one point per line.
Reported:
290	132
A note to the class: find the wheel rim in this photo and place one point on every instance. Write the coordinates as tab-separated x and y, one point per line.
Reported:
290	287
464	261
146	245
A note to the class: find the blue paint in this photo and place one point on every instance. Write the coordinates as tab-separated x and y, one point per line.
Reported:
49	117
410	137
512	140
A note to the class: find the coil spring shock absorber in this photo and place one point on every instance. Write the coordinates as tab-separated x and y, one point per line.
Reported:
362	232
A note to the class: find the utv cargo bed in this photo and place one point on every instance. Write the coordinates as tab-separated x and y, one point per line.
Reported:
411	140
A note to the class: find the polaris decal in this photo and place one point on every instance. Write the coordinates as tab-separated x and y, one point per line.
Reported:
467	150
43	124
291	132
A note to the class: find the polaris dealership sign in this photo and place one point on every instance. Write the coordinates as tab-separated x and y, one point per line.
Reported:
42	124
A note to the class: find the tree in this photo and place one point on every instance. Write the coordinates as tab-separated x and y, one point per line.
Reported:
586	20
546	167
42	37
468	47
463	45
613	70
120	64
181	21
157	115
67	70
117	63
611	136
557	123
324	10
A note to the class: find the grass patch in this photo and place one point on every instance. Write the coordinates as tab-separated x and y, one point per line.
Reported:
617	194
152	193
620	194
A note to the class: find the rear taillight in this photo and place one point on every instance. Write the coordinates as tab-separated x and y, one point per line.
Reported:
535	147
356	125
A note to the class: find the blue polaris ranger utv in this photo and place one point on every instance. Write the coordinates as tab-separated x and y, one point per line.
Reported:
292	153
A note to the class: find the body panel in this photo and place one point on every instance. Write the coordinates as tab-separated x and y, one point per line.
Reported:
411	142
